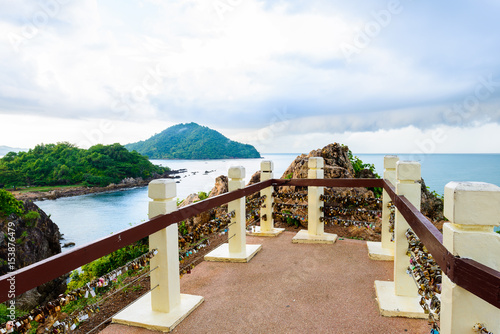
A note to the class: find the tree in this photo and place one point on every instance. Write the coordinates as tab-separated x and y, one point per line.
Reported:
63	163
9	204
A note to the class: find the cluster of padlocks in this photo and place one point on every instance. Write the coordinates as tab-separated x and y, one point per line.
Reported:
392	218
201	231
427	276
252	210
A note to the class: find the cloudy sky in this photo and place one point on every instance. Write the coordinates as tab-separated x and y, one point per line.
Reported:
286	76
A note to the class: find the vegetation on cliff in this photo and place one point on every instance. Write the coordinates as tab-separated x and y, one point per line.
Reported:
9	204
192	141
65	164
361	168
35	237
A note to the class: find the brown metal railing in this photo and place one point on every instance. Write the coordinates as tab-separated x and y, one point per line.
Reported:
471	275
478	279
55	266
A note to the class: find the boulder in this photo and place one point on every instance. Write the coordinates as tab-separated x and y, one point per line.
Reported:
255	178
337	163
220	187
202	218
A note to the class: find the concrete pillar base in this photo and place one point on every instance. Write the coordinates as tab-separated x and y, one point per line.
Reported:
378	253
303	237
139	314
222	254
391	305
256	232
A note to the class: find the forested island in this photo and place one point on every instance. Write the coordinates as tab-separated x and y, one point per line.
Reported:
192	141
66	164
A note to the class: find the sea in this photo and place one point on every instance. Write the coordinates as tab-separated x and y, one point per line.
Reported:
84	219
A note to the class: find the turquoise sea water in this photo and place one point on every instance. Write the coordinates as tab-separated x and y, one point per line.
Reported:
83	219
439	169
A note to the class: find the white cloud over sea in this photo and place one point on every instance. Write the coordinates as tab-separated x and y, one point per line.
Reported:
286	76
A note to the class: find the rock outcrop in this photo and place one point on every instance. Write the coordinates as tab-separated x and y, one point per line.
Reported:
36	238
432	206
220	187
198	219
337	163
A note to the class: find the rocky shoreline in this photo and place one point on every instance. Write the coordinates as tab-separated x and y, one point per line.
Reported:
127	183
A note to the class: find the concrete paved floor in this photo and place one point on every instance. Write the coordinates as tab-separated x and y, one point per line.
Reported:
290	288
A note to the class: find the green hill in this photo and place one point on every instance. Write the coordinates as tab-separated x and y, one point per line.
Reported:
192	141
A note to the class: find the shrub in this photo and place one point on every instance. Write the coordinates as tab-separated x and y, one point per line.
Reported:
291	221
31	216
9	204
202	195
183	228
4	313
106	264
359	165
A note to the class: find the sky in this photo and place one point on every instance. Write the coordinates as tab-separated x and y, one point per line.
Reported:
398	76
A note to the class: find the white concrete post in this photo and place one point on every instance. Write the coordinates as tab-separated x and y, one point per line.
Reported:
400	298
164	307
236	249
314	225
473	209
236	231
266	228
407	173
168	294
266	211
389	175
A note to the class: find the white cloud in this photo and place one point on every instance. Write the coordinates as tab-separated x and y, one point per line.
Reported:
409	139
174	61
28	131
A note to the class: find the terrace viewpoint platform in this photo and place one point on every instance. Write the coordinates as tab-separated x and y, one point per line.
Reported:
290	288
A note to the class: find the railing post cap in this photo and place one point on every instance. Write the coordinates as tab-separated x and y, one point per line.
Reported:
472	203
266	166
316	162
408	171
162	189
390	161
236	172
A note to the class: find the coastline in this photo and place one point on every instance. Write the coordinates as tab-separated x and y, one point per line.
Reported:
81	190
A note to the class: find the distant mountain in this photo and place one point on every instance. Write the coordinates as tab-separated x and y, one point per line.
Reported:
6	149
192	141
